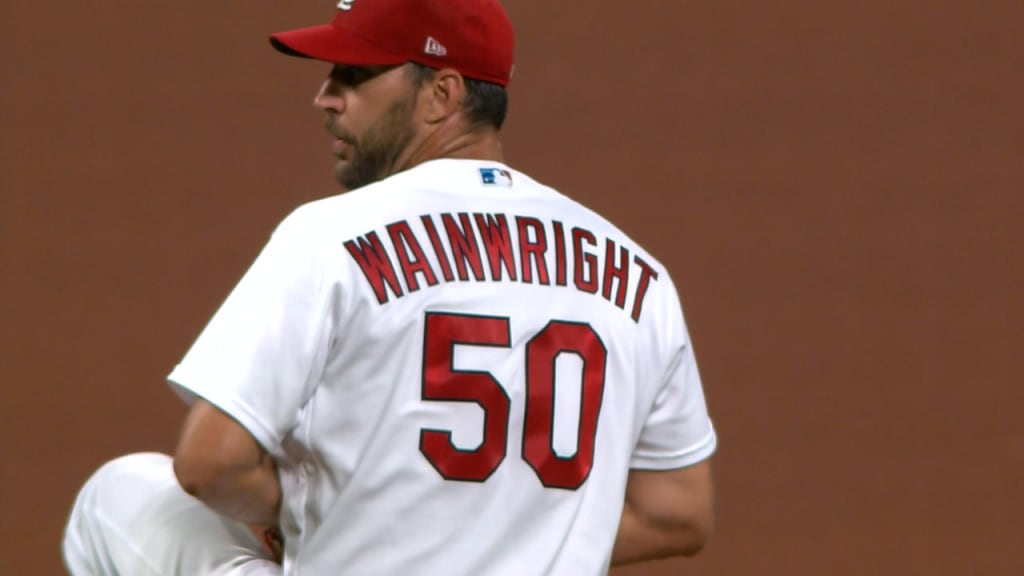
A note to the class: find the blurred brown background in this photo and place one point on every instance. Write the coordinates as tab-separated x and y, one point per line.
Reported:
837	188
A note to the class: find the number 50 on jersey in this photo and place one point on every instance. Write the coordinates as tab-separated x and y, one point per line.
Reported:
441	382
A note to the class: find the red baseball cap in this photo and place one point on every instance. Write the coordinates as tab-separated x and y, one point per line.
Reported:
474	37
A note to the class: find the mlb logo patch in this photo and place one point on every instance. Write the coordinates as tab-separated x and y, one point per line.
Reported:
496	177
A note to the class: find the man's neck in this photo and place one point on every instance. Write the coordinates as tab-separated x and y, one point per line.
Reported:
452	139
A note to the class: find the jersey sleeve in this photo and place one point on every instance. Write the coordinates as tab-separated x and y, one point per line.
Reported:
260	357
678	431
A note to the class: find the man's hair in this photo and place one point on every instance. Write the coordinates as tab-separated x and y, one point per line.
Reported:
486	103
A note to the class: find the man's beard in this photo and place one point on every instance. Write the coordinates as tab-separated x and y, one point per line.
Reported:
375	154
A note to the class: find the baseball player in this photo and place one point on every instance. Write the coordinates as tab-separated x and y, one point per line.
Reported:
451	368
132	518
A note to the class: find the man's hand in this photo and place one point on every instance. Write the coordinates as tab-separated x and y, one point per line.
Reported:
272	540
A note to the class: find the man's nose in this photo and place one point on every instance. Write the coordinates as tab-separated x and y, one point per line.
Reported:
329	98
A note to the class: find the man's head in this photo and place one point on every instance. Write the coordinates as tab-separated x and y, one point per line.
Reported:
411	79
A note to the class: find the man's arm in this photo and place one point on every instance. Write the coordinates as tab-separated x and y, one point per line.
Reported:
219	462
667	513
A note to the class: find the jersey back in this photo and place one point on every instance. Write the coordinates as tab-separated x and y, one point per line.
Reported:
456	367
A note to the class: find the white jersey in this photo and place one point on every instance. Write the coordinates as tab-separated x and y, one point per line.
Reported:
131	518
456	368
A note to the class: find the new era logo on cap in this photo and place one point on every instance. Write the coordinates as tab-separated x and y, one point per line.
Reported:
434	47
346	4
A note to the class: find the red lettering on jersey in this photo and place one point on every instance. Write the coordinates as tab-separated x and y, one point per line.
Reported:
587	282
463	243
542	352
405	241
531	253
559	252
443	382
613	272
435	241
376	265
494	233
646	274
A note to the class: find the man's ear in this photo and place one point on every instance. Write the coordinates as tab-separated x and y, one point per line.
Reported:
443	95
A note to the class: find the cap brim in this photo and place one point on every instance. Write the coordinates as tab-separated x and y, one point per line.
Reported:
332	44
